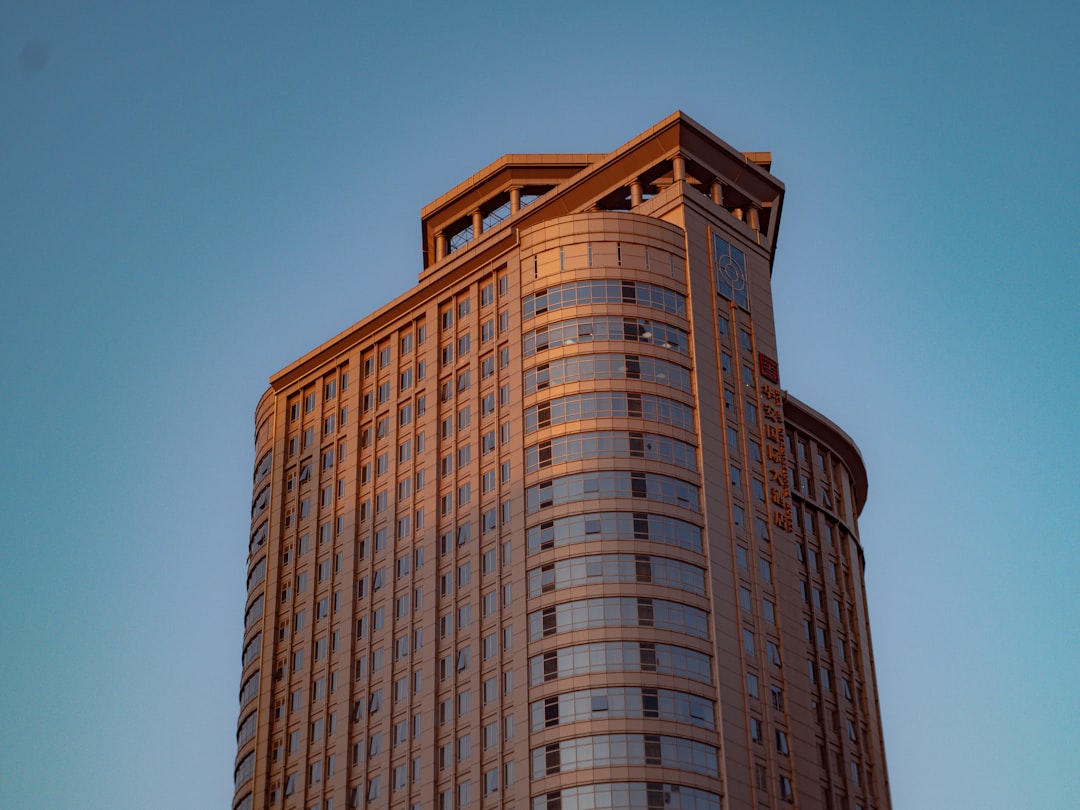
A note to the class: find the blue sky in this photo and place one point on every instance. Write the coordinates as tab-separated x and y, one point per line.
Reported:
181	185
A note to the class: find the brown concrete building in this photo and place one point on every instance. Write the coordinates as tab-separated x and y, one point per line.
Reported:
546	533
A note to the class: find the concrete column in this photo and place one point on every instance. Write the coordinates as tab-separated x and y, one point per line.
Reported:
515	199
477	223
717	192
678	168
752	216
635	194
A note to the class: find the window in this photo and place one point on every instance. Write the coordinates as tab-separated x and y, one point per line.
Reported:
773	653
729	266
752	685
785	789
745	599
491	781
781	742
756	732
748	641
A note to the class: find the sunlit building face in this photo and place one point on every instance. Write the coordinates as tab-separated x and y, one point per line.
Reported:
547	533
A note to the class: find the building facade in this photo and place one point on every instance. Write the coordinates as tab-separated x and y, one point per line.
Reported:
547	533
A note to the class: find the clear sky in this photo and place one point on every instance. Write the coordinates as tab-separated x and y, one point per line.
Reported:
182	184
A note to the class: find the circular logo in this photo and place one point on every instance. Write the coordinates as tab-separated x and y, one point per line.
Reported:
732	272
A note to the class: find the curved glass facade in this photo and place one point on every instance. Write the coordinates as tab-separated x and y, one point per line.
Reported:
611	484
247	728
628	796
582	368
604	750
593	328
603	291
596	526
610	568
249	689
610	444
620	656
245	770
610	702
607	404
617	611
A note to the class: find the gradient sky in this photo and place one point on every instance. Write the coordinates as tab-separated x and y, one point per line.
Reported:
194	194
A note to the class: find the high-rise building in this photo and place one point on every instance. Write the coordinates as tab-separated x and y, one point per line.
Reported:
547	533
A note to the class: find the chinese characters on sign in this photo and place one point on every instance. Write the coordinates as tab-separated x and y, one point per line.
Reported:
769	368
776	469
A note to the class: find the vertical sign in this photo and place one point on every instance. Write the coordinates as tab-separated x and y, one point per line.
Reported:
776	468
